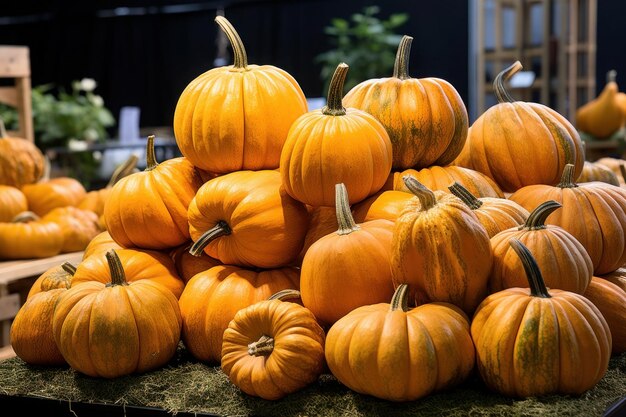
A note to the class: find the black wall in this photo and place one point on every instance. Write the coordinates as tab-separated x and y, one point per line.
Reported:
611	43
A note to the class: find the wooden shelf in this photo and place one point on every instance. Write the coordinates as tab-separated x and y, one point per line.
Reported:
14	270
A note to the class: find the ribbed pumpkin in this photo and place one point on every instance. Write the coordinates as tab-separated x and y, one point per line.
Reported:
597	172
440	250
348	268
495	214
335	145
517	143
118	328
611	301
12	202
27	236
440	178
78	226
614	165
594	212
397	354
273	348
237	117
148	209
59	276
617	277
188	265
562	259
102	242
533	342
245	218
212	298
426	118
21	162
602	116
384	205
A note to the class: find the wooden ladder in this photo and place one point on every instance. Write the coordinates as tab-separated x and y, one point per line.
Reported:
15	64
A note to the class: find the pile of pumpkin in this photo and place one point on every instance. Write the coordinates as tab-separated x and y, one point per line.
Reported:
404	272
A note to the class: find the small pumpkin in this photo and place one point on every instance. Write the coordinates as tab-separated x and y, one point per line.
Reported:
611	301
21	162
28	236
188	265
12	202
602	116
384	205
273	348
78	226
533	342
102	242
59	276
397	354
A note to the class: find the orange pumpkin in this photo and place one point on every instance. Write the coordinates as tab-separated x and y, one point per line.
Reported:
426	118
148	209
611	301
102	242
322	221
28	236
188	265
597	172
21	162
617	277
218	133
12	202
614	165
602	116
59	276
335	145
518	144
50	193
384	205
78	226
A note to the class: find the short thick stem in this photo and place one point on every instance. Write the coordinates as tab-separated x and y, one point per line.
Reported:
334	105
537	219
345	220
151	161
463	193
240	58
401	66
69	268
262	347
116	269
220	229
427	198
533	273
400	300
25	217
498	83
567	180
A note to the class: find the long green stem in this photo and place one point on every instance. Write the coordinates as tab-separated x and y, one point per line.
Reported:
123	170
498	83
427	198
334	105
118	276
240	58
533	273
345	220
220	229
401	66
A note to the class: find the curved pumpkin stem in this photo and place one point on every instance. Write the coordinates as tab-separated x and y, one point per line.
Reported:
240	58
400	299
498	83
69	268
345	220
401	66
427	197
151	161
123	170
537	219
118	276
285	295
220	229
533	273
25	217
611	76
3	130
262	347
567	180
334	105
463	193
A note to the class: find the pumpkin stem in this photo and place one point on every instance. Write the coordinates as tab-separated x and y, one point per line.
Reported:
567	180
69	268
611	76
285	295
498	83
47	168
118	276
124	169
463	193
345	220
240	58
220	229
262	347
427	198
537	219
25	217
622	170
334	105
401	66
400	299
533	273
3	130
151	161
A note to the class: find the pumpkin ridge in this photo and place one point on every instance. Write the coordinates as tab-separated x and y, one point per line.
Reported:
80	309
163	188
561	134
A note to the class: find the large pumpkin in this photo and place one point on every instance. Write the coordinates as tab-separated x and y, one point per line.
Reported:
397	354
611	301
237	117
517	143
425	117
78	226
21	162
58	276
28	236
12	202
335	145
533	342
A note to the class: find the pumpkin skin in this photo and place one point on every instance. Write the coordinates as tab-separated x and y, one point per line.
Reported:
456	272
273	348
21	162
78	226
614	165
348	268
518	144
611	301
322	221
426	118
12	202
335	145
245	218
119	328
48	194
28	236
533	342
602	116
390	352
218	133
148	209
59	276
385	205
593	212
101	243
212	298
188	265
597	172
617	277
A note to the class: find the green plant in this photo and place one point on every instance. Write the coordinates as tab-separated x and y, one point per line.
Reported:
366	43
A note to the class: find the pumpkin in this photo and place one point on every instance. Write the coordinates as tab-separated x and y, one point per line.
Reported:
620	99
237	117
116	328
138	265
440	250
440	178
596	172
12	202
602	116
102	242
78	226
533	342
273	348
495	214
617	277
614	165
397	354
148	209
610	299
21	162
335	145
213	297
58	276
322	221
28	236
426	118
245	218
348	268
518	144
562	259
593	212
188	265
383	205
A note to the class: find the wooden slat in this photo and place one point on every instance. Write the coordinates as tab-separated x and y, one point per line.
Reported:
14	270
8	95
14	61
